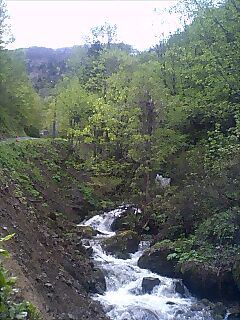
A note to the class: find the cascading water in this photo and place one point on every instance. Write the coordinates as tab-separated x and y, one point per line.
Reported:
124	298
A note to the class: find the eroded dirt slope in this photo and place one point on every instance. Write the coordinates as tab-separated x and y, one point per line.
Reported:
54	270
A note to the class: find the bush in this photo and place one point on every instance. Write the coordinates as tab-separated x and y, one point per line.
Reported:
221	229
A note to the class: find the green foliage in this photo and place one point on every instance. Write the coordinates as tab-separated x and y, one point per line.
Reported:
215	241
89	196
184	251
20	106
56	177
173	111
221	148
9	309
221	228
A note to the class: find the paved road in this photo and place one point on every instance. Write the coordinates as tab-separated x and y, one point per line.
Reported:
10	140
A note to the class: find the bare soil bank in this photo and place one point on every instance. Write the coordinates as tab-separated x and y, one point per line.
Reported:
54	270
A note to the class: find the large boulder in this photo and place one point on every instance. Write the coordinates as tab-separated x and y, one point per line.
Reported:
156	259
122	244
209	282
148	283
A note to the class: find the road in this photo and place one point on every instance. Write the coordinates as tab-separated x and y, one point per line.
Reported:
17	139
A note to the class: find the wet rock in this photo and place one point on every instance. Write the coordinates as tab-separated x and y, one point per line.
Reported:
234	309
156	260
206	302
97	283
233	316
205	281
89	251
136	291
148	283
196	307
170	303
179	288
86	232
122	255
179	312
218	311
122	244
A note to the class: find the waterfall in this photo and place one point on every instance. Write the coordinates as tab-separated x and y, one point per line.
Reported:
124	298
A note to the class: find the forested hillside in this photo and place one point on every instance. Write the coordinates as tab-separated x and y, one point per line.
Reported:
159	130
174	111
45	67
20	106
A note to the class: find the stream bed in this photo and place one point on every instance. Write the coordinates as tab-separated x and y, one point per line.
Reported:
124	298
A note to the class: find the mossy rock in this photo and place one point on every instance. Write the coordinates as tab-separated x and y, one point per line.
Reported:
86	232
156	259
122	244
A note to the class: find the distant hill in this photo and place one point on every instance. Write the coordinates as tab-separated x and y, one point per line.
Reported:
46	66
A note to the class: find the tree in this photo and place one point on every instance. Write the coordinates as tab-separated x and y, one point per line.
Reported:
20	106
103	34
5	33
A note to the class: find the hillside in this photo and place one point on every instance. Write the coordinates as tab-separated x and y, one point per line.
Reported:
40	202
145	155
45	67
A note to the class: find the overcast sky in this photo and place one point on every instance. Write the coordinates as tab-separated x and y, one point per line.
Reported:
57	24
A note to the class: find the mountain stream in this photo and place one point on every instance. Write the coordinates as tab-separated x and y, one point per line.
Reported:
124	298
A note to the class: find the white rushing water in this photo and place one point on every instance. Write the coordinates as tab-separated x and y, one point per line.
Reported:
124	299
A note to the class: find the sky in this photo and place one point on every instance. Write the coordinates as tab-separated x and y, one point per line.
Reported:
57	24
